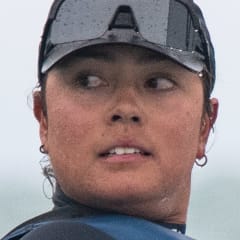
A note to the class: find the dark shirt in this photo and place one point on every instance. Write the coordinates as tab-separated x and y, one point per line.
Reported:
66	208
60	200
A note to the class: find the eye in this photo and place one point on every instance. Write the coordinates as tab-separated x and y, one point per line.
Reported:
90	81
160	83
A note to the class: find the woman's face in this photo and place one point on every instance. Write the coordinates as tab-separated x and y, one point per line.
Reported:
124	126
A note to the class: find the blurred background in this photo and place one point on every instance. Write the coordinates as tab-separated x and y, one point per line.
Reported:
214	208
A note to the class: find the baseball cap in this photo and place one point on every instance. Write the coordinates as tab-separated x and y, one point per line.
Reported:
175	28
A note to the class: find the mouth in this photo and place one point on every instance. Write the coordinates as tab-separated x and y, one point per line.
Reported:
121	151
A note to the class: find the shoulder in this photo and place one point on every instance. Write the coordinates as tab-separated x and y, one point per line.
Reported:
53	215
99	227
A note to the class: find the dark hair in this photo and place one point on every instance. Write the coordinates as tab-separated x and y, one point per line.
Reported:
206	79
42	87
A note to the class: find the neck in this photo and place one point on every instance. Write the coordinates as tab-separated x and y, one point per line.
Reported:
164	211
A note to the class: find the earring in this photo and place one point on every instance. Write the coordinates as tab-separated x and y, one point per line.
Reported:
202	164
42	150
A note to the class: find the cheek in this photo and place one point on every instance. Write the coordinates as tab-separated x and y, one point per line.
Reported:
67	126
70	134
177	133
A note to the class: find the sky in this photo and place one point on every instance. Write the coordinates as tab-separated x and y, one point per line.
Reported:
214	207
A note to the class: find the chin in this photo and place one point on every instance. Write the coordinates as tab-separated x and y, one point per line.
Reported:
117	195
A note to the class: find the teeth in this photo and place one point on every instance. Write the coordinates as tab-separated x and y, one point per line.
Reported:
130	150
121	151
112	151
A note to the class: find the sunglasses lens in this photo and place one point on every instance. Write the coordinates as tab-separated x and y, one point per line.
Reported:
166	22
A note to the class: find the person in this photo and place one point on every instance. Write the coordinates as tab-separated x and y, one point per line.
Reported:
125	110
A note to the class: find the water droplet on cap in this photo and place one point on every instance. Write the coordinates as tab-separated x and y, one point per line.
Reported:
200	74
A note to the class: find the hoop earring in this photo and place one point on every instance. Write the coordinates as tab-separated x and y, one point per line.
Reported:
202	164
42	150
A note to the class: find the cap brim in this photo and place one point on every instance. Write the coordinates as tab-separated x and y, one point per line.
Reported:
192	61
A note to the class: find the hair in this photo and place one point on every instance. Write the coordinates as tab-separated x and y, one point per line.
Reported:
42	88
207	78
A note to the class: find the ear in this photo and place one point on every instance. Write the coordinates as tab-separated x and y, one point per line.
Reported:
206	126
41	117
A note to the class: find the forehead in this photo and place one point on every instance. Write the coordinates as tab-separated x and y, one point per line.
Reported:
117	53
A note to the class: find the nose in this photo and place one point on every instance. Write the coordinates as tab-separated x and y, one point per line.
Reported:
126	108
125	118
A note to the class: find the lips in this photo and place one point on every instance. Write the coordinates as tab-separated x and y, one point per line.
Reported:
124	150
